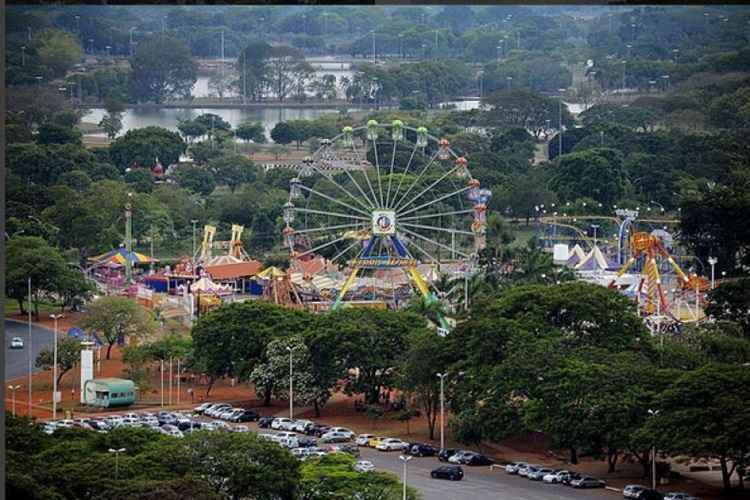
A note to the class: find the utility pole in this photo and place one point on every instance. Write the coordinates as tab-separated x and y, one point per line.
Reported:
559	152
291	384
23	55
372	32
442	409
192	259
55	317
30	347
129	238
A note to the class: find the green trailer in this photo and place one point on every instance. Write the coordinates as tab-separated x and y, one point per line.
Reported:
109	392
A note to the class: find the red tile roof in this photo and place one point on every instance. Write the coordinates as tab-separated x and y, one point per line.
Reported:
233	271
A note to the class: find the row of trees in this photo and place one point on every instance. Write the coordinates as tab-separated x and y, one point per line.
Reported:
209	465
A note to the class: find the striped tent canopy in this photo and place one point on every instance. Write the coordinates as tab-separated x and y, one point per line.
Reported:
120	256
271	272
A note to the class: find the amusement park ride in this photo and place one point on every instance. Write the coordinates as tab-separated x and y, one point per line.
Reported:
384	219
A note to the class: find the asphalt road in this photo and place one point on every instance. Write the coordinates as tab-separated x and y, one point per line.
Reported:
17	360
479	483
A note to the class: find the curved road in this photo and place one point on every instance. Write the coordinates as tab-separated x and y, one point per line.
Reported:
17	360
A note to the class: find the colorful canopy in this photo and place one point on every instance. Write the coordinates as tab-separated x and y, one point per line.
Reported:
596	261
271	272
120	256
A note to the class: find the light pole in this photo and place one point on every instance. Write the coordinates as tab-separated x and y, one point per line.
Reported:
78	25
499	48
91	45
666	82
163	24
559	151
594	227
129	238
624	64
713	260
653	413
372	33
30	348
117	459
481	83
400	45
405	460
509	79
54	317
291	384
23	55
39	80
194	222
442	408
13	389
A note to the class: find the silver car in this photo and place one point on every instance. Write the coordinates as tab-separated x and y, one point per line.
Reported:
512	468
632	490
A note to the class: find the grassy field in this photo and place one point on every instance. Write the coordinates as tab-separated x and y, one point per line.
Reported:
45	308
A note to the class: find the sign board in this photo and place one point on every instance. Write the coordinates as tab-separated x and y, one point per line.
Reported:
383	262
383	222
87	370
58	397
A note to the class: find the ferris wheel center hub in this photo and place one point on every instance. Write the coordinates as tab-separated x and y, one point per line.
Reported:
383	222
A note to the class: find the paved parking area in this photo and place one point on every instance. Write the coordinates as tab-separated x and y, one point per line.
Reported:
479	483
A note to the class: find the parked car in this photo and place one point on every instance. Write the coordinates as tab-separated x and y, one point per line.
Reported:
364	466
674	495
216	409
16	343
445	454
421	450
570	477
555	476
306	441
649	494
184	422
299	453
349	448
374	441
280	423
318	430
301	425
100	424
171	430
167	418
49	427
538	474
334	437
219	425
265	422
452	472
512	468
343	430
201	408
632	490
527	469
246	416
392	444
470	458
240	428
587	482
363	439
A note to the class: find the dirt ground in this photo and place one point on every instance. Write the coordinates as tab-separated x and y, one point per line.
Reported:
339	411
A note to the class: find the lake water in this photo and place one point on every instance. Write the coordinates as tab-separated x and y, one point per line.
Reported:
169	118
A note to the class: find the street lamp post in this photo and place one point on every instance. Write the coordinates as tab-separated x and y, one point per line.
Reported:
39	80
713	260
291	384
653	413
54	317
13	389
131	39
193	222
23	55
442	409
30	348
117	457
594	227
405	460
509	79
559	152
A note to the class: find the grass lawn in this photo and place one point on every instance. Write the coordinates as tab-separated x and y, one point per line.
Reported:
45	308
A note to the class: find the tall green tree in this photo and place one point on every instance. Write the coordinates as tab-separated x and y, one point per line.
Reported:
68	355
114	318
163	69
144	146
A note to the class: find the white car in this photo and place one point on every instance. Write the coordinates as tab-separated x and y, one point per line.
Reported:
364	466
49	427
16	343
538	474
219	408
392	444
314	454
674	495
342	430
363	439
300	453
228	413
68	424
267	436
281	423
633	490
171	430
555	476
130	422
301	425
218	424
241	428
512	468
151	422
201	408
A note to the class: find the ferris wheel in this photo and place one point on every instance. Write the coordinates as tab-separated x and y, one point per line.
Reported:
383	197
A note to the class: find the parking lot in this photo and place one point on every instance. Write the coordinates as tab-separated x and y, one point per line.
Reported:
479	482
